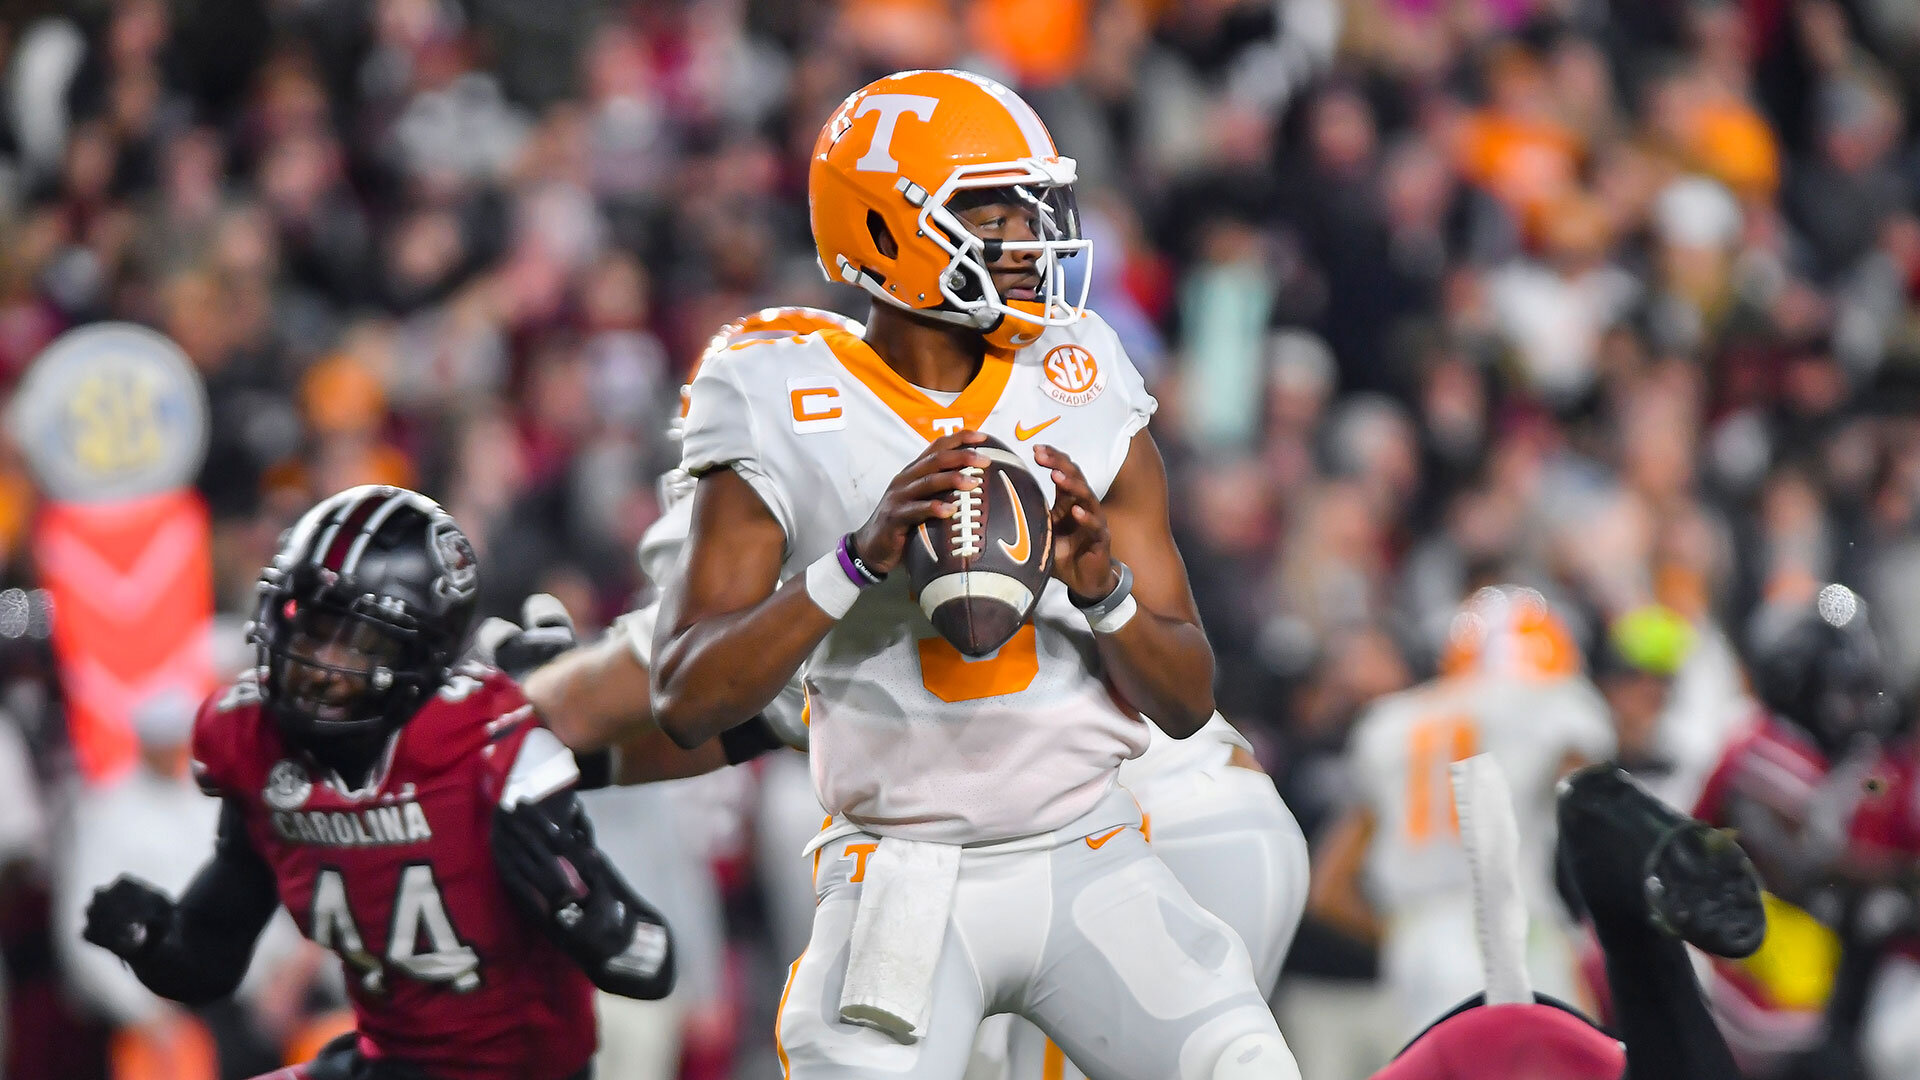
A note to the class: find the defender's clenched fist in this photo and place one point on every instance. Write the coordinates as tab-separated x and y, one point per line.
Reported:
126	917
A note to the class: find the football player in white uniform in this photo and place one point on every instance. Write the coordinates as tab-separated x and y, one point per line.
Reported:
981	857
1208	810
1392	870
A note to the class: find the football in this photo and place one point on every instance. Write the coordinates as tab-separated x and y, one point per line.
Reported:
978	574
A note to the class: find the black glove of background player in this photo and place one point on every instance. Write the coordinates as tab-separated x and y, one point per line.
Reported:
128	917
550	866
544	631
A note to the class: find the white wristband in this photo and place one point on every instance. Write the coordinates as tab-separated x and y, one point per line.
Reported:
829	587
1113	620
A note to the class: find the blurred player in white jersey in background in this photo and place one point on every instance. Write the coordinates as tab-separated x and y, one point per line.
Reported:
1392	870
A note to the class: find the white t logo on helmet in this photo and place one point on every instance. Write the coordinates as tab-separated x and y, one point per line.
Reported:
879	156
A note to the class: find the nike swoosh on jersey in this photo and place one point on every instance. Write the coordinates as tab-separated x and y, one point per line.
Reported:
1098	842
1023	433
1022	545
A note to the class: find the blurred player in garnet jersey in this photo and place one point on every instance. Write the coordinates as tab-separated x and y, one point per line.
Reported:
1789	785
1882	964
413	816
1392	870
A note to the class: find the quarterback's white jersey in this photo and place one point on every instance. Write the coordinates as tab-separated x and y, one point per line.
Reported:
908	737
660	546
1167	756
1402	748
660	549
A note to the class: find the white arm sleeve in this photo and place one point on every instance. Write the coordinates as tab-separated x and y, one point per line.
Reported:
1125	383
721	432
636	629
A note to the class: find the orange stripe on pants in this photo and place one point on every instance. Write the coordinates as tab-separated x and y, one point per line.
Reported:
779	1048
1053	1063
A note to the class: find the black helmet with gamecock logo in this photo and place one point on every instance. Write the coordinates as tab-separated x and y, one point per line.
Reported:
1820	667
361	615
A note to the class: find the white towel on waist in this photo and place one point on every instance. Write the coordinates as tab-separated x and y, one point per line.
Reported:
898	932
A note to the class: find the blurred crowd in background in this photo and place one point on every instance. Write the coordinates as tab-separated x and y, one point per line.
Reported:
1613	298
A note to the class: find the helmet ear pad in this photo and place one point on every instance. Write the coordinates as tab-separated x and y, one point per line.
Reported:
883	242
878	240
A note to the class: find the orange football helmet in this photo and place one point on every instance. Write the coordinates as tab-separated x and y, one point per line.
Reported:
895	153
764	325
1509	631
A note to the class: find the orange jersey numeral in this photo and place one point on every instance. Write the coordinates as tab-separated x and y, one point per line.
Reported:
1432	745
951	676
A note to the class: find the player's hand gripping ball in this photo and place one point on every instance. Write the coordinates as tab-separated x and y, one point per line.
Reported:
978	571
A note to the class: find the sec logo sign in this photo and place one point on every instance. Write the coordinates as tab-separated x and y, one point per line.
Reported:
1074	377
110	412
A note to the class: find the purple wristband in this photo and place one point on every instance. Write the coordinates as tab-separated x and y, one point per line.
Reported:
856	570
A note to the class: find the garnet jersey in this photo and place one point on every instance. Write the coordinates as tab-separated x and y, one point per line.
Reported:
1885	829
1775	764
909	737
1770	1003
399	880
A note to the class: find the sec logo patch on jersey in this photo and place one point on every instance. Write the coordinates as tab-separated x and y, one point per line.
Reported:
1074	377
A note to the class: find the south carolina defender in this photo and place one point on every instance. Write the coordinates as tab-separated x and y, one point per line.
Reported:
1809	787
413	816
941	194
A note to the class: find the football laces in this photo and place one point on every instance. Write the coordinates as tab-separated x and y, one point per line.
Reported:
966	517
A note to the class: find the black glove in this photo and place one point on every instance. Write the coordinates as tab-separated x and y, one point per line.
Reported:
552	869
544	631
128	917
550	866
537	859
